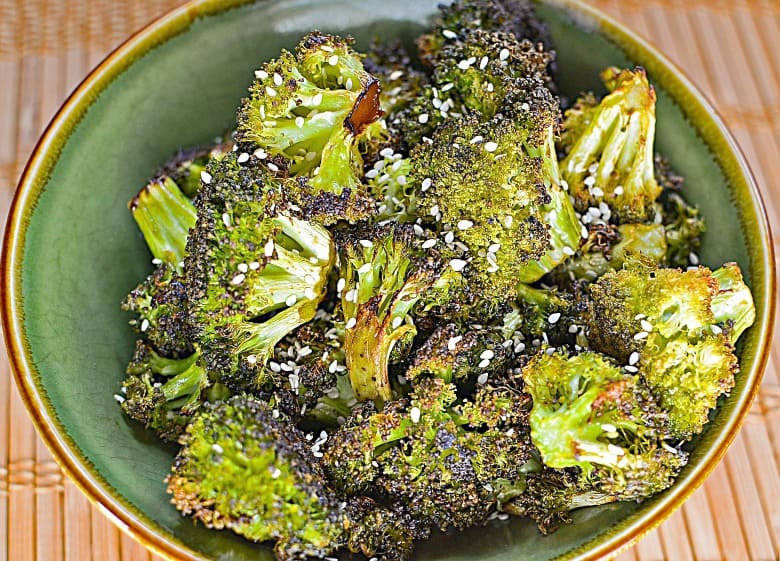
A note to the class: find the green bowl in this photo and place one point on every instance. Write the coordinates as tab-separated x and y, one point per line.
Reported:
72	251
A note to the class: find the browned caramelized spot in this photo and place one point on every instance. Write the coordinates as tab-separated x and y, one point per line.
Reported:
366	109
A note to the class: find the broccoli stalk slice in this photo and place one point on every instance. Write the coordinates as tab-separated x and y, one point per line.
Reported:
619	141
733	302
165	217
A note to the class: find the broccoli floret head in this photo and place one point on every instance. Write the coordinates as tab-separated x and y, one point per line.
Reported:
455	22
185	167
243	468
494	185
678	328
388	183
610	150
163	393
385	276
309	109
255	271
589	414
164	216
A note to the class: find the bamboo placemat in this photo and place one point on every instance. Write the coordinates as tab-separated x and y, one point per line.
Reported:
730	49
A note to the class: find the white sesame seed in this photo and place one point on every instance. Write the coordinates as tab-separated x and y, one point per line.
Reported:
630	368
340	285
426	184
465	224
553	318
423	118
483	363
333	60
352	322
573	328
504	54
261	74
414	414
278	80
260	154
641	335
633	359
395	75
299	121
251	359
607	427
453	342
428	244
364	268
568	251
457	264
716	329
493	248
487	354
348	84
119	398
366	243
584	232
482	379
434	210
693	258
508	221
268	248
238	279
273	167
157	261
276	473
144	325
646	325
350	295
597	192
242	158
242	267
449	237
217	448
291	300
205	177
401	180
464	64
309	293
618	190
491	146
397	322
639	316
270	91
483	63
449	34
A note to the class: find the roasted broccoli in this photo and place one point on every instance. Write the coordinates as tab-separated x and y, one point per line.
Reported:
254	270
677	329
162	393
186	166
609	148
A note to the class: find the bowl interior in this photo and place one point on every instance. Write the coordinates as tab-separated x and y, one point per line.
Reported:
82	252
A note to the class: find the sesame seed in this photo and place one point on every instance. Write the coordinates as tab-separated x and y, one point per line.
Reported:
299	122
504	54
641	335
483	63
447	87
350	295
119	398
487	354
217	448
401	180
270	91
275	366
364	268
309	293
397	322
260	154
157	261
634	358
584	232
144	325
465	224
449	237
261	74
276	473
414	414
340	285
597	192
453	342
573	328
278	80
646	325
693	258
426	184
617	450
618	190
449	34
590	181
716	329
483	363
434	210
251	359
508	221
310	156
273	167
493	248
457	264
464	65
268	248
395	75
568	251
553	318
423	118
482	379
238	279
316	100
205	177
291	300
333	60
366	243
352	322
491	146
630	368
607	427
428	244
348	84
242	267
639	316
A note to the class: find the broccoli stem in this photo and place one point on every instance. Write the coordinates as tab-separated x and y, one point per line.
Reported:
165	217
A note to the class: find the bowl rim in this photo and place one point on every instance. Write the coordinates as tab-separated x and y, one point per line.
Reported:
697	109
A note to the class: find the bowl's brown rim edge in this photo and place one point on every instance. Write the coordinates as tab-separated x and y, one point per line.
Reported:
124	515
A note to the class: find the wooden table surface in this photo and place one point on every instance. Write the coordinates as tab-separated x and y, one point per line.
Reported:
731	51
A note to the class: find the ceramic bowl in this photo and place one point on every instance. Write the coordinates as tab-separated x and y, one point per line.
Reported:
72	251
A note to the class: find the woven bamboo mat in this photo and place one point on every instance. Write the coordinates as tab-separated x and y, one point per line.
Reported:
731	50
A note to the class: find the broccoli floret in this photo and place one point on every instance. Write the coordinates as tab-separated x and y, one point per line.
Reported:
384	276
495	186
163	313
678	328
310	108
610	156
388	183
388	533
607	247
163	393
589	414
164	216
459	355
255	271
458	20
243	468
